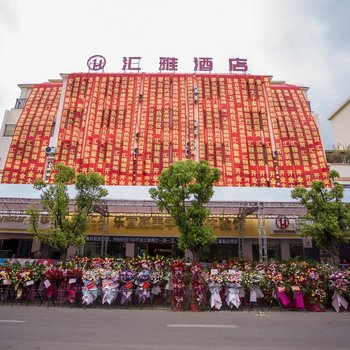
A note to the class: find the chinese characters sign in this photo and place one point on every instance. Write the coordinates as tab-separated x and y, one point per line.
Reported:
152	226
201	64
131	64
168	64
96	62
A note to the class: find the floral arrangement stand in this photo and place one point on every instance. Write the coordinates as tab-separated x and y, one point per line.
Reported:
215	297
73	294
24	294
198	293
298	299
50	299
37	293
143	290
178	286
339	282
275	299
20	295
256	302
283	299
5	292
127	295
127	289
97	282
252	282
233	295
157	293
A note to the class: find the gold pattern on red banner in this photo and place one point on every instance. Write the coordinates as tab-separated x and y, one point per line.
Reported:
129	127
26	157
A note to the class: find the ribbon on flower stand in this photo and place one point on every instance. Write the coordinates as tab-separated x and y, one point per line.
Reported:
50	290
89	292
143	290
215	298
178	286
298	298
283	297
109	291
338	301
126	291
18	290
198	297
233	295
156	290
72	290
255	294
62	292
32	292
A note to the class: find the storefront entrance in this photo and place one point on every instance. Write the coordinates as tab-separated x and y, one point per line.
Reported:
15	248
160	249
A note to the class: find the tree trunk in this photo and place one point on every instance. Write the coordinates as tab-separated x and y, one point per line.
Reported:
329	256
195	253
64	254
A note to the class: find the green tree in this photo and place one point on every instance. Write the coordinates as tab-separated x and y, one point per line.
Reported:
327	218
67	228
184	189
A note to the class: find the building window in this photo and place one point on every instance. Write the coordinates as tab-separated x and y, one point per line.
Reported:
296	250
9	130
219	252
92	249
273	251
116	250
141	249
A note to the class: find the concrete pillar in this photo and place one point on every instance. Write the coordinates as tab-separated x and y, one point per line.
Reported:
285	253
247	248
130	250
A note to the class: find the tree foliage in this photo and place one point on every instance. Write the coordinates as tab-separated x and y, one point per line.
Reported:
327	218
67	228
184	189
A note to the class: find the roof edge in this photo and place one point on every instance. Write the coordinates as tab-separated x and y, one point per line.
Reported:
341	107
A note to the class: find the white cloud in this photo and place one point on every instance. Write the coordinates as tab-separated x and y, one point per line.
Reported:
293	40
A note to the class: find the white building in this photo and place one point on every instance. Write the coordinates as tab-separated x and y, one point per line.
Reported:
339	158
261	135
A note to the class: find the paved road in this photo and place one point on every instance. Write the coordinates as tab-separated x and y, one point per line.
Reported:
52	328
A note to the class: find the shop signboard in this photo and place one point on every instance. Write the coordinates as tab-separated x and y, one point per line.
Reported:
283	226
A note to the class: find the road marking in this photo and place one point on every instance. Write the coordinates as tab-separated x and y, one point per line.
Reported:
12	321
191	325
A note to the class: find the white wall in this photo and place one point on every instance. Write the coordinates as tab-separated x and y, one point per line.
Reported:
341	126
344	171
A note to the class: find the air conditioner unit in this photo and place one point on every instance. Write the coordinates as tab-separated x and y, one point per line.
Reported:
50	150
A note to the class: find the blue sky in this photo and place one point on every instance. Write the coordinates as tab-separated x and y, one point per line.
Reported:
303	42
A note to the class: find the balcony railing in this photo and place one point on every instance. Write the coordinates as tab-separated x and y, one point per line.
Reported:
338	156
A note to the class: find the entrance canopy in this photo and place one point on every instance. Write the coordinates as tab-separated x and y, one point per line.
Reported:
15	198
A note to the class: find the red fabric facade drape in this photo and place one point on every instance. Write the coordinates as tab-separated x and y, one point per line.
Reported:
129	127
26	158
